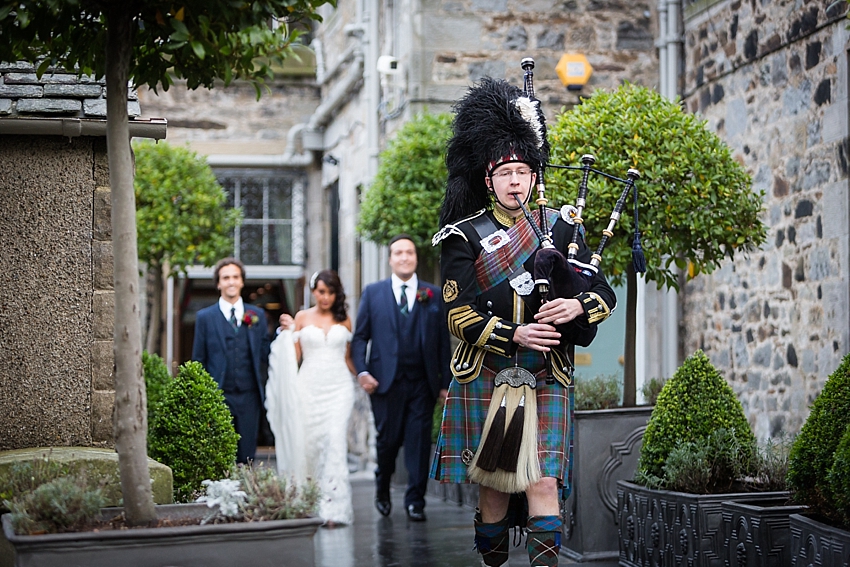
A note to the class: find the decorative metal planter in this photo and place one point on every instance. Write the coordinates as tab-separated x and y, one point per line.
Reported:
607	449
758	533
661	528
279	543
818	545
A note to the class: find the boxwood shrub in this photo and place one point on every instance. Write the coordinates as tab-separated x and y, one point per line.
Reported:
814	451
157	379
839	477
693	404
192	431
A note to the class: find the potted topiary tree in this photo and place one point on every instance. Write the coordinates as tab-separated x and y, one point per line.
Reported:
819	476
698	451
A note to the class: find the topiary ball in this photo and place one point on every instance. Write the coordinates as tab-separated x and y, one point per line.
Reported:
157	379
813	452
693	404
192	431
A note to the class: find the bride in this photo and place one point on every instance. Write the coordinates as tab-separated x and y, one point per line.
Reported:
308	407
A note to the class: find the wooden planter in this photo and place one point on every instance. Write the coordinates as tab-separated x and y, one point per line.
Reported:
662	528
758	533
281	543
818	545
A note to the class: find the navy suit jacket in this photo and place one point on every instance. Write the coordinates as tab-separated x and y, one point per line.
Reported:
377	322
210	346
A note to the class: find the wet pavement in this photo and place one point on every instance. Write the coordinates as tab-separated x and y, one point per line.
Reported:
444	540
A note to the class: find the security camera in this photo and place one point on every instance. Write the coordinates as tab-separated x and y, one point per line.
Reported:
388	65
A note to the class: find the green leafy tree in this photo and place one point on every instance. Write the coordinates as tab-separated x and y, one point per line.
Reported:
697	206
149	43
409	186
181	218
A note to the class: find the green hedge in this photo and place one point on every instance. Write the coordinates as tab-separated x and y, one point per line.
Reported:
814	451
693	404
839	477
157	379
192	431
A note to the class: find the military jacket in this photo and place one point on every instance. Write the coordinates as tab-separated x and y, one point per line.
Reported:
485	321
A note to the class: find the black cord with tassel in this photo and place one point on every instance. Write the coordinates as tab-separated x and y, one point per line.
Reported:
638	259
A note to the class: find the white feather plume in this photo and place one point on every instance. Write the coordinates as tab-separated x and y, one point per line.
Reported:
528	110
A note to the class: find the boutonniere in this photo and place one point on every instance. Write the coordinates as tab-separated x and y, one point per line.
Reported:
250	318
424	295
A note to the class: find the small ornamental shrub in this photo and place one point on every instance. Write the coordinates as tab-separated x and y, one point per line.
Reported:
157	379
651	389
813	452
26	476
192	431
707	465
693	404
270	497
600	392
839	478
771	464
63	504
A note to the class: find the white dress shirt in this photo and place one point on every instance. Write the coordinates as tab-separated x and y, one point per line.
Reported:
226	307
410	292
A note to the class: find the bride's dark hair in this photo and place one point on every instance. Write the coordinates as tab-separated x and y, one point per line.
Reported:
331	279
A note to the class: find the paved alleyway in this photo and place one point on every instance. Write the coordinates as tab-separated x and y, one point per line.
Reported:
444	540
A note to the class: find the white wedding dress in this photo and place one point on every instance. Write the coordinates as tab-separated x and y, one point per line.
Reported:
309	412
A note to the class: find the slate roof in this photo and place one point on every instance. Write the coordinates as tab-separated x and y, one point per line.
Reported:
56	94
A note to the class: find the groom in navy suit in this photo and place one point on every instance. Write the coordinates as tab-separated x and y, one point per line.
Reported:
232	342
406	371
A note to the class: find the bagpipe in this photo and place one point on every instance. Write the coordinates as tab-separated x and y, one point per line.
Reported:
506	459
556	276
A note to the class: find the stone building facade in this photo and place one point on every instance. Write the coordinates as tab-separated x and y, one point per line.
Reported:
771	78
56	346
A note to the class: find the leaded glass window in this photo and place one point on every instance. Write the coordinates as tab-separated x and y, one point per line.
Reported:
272	231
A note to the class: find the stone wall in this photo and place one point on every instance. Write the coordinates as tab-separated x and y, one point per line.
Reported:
56	369
457	42
770	78
231	120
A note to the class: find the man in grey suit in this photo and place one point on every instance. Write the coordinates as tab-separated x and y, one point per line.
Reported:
406	371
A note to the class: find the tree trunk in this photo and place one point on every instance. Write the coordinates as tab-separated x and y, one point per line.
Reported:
154	331
130	418
629	367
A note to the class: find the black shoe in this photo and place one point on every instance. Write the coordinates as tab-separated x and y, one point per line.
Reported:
383	504
415	513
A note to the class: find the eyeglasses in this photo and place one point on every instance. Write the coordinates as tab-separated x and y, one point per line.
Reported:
507	173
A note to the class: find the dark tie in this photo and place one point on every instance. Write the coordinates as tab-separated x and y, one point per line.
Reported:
402	302
233	322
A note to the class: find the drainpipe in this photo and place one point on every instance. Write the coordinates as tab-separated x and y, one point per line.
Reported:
319	119
671	299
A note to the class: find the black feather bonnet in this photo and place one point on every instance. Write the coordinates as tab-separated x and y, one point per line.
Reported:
494	123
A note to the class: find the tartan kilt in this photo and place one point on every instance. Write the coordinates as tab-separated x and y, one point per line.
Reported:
466	410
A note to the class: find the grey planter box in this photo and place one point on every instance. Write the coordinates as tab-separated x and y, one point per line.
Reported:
814	544
275	543
607	449
660	527
758	533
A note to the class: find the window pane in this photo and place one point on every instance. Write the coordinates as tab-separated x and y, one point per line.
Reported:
251	247
252	198
280	244
229	185
280	198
